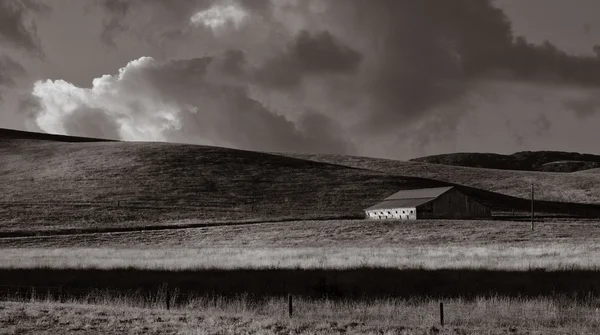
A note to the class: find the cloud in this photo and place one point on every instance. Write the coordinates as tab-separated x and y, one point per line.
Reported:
9	69
114	25
356	75
91	122
14	30
164	21
179	100
585	106
308	54
219	15
17	34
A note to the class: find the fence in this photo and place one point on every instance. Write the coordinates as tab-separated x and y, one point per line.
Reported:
163	298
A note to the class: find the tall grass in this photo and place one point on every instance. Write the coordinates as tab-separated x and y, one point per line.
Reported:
550	257
482	313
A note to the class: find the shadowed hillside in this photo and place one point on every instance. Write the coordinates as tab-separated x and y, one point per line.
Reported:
51	184
547	161
563	187
62	184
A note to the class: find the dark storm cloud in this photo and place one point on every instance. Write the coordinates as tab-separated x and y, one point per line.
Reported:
319	54
584	107
14	30
168	19
115	24
223	111
428	53
596	50
8	70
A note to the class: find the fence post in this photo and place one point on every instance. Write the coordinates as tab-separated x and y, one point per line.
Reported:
442	313
61	298
290	305
32	298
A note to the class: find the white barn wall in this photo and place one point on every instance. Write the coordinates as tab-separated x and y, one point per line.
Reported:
393	213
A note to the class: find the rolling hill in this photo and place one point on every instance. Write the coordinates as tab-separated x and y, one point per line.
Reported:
548	161
57	182
560	187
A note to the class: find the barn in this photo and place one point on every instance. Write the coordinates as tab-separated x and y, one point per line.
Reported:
429	203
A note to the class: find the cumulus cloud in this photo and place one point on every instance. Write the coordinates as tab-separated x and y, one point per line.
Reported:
353	75
179	100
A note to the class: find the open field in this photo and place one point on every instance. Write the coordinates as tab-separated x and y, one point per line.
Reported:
321	244
335	233
240	316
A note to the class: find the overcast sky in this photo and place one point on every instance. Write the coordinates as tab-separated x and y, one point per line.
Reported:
382	78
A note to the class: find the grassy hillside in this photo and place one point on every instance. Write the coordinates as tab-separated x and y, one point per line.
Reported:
50	184
70	182
590	171
549	161
563	187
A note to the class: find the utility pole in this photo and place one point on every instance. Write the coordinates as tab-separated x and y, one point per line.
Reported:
532	215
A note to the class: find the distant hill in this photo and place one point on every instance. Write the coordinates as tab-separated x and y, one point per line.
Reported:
564	187
547	161
64	182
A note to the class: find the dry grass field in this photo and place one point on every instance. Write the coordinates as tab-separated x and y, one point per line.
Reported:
317	258
241	316
54	183
336	244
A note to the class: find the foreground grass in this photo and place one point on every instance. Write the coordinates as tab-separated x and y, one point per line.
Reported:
239	315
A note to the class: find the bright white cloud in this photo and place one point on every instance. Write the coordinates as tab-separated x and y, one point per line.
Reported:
140	114
219	15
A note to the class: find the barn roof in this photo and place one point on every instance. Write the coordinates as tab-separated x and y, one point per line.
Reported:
410	198
400	203
419	193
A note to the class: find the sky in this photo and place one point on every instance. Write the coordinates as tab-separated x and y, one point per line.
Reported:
381	78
